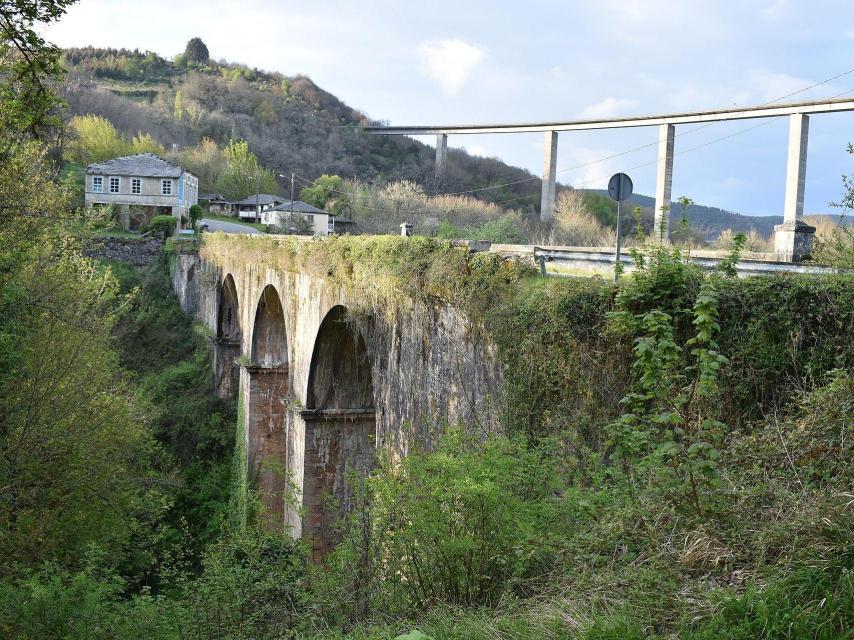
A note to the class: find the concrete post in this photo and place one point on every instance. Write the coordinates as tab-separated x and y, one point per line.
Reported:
664	180
793	238
441	156
796	169
547	201
124	216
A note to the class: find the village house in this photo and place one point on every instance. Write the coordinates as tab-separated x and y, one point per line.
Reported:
142	186
255	205
217	203
322	223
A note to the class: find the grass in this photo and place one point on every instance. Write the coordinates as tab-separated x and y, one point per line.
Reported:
255	225
117	233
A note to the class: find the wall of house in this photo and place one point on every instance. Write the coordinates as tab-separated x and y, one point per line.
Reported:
184	192
319	222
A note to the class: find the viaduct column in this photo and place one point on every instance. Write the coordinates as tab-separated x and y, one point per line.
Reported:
793	238
547	201
441	156
265	424
664	181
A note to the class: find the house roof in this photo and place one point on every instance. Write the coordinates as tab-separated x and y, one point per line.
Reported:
146	165
214	197
299	207
263	198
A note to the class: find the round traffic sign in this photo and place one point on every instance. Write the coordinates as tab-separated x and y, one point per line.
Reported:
620	187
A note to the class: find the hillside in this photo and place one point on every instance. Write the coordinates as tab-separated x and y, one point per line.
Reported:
289	122
293	125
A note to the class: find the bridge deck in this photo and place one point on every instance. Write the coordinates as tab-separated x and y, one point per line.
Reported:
761	111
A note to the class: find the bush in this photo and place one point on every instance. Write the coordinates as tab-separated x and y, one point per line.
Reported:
463	525
163	224
252	587
196	212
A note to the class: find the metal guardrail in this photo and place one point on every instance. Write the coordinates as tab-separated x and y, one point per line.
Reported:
570	261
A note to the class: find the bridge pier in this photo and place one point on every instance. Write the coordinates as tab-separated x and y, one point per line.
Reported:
266	428
547	200
225	354
441	156
339	451
664	181
793	239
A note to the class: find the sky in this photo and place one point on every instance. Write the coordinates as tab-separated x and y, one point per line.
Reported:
441	62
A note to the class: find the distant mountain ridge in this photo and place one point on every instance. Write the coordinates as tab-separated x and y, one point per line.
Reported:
710	221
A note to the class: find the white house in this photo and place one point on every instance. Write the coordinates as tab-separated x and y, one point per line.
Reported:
322	222
254	206
142	185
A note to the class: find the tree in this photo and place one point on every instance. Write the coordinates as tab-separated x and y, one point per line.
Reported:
324	189
196	51
243	173
95	139
27	102
405	196
206	161
145	143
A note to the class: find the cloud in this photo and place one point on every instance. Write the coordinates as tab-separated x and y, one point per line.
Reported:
608	108
477	150
450	62
591	171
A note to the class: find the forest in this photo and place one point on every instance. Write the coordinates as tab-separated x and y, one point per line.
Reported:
674	459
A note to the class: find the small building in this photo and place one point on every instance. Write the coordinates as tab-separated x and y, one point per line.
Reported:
142	186
217	203
255	205
322	223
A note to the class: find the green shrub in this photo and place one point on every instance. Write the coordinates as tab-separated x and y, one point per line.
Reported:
463	525
196	212
814	602
163	224
85	605
252	587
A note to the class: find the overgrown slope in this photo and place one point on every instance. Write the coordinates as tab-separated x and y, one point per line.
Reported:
290	123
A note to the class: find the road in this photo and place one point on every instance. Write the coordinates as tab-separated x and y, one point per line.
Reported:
227	227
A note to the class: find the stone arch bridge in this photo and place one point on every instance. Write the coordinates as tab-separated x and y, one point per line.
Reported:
324	380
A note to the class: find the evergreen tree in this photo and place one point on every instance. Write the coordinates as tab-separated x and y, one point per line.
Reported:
196	51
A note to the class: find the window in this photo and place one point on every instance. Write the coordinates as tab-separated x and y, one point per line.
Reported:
135	185
166	187
98	184
309	218
114	185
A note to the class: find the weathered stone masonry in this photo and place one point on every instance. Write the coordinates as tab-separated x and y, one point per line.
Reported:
325	380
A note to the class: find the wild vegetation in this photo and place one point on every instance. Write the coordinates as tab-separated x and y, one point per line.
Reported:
674	459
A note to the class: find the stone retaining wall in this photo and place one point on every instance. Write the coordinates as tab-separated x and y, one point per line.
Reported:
138	252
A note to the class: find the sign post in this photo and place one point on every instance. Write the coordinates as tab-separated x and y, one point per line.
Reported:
619	188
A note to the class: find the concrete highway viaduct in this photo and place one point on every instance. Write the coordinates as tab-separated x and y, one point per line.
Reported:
325	380
792	239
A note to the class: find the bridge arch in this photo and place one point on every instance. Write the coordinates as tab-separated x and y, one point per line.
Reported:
228	341
228	312
269	334
340	428
267	404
